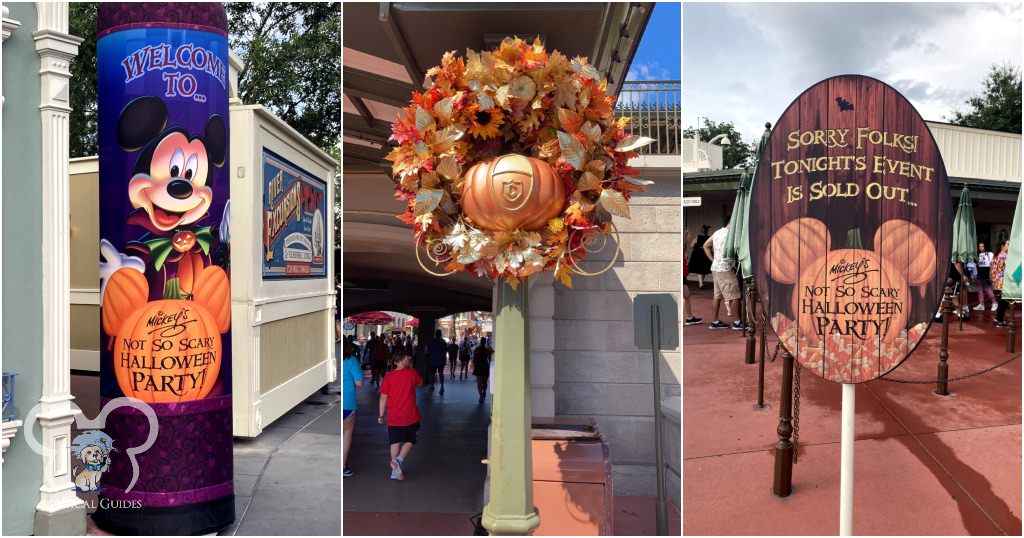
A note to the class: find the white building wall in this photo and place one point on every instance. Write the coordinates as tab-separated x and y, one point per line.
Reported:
978	153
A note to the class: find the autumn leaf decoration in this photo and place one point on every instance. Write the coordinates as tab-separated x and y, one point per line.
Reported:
516	99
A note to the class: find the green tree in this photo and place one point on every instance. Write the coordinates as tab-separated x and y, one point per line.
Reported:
82	122
292	56
737	153
999	105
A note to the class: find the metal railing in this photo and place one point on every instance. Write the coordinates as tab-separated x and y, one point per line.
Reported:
8	397
655	109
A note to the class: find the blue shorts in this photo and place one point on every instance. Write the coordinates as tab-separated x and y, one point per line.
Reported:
345	413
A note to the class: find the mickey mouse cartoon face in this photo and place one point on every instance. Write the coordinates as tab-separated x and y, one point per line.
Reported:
170	175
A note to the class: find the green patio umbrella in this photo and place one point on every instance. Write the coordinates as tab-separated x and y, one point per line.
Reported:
1012	274
965	243
741	239
965	238
737	222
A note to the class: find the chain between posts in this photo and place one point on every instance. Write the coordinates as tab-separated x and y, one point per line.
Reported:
796	412
959	378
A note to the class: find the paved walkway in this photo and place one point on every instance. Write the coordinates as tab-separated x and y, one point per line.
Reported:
924	464
288	480
443	489
443	486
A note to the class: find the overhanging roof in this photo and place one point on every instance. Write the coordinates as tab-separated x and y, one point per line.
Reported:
388	48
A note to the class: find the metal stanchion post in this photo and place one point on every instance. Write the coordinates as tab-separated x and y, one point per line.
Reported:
946	308
661	509
748	358
783	483
1011	341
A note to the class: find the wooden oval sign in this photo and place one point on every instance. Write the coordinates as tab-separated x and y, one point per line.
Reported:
850	228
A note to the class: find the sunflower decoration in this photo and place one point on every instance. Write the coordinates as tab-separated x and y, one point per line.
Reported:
518	100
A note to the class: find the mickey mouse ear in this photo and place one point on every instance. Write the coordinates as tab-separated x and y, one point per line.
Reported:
140	121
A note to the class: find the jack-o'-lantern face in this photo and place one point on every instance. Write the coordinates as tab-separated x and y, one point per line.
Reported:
183	241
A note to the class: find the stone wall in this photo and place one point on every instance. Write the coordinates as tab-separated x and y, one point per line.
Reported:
598	371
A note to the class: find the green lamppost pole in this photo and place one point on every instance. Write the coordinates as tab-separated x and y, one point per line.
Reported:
510	509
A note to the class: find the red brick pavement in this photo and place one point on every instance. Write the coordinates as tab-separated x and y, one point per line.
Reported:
924	464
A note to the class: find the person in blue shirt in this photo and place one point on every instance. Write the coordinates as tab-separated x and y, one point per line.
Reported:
437	352
352	377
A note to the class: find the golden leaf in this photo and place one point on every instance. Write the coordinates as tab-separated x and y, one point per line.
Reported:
565	95
429	180
424	120
569	120
614	203
591	131
572	151
449	167
588	182
564	275
596	167
638	181
441	141
443	108
501	96
632	143
427	200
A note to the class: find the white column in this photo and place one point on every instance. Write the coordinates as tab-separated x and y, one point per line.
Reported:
542	344
56	49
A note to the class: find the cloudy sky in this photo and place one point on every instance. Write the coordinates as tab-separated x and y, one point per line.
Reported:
745	63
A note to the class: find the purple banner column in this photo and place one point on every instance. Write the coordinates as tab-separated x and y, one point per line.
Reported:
164	265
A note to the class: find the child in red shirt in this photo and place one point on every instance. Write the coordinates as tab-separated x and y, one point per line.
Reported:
398	401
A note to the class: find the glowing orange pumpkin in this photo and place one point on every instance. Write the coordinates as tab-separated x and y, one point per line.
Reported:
168	351
512	192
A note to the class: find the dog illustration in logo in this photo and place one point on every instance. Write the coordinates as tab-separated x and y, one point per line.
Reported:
93	448
168	188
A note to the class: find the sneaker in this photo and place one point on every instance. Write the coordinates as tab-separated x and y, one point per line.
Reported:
737	326
396	470
1002	325
431	388
348	472
718	325
994	307
481	399
980	307
442	391
693	320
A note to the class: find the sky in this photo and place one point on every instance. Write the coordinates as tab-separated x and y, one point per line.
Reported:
746	63
657	57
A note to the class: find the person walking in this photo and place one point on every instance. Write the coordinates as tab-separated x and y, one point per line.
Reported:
727	286
700	261
437	351
465	354
998	271
398	404
453	356
352	377
687	305
482	368
379	361
984	280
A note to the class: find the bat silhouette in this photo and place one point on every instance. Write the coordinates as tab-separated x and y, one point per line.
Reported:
844	104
